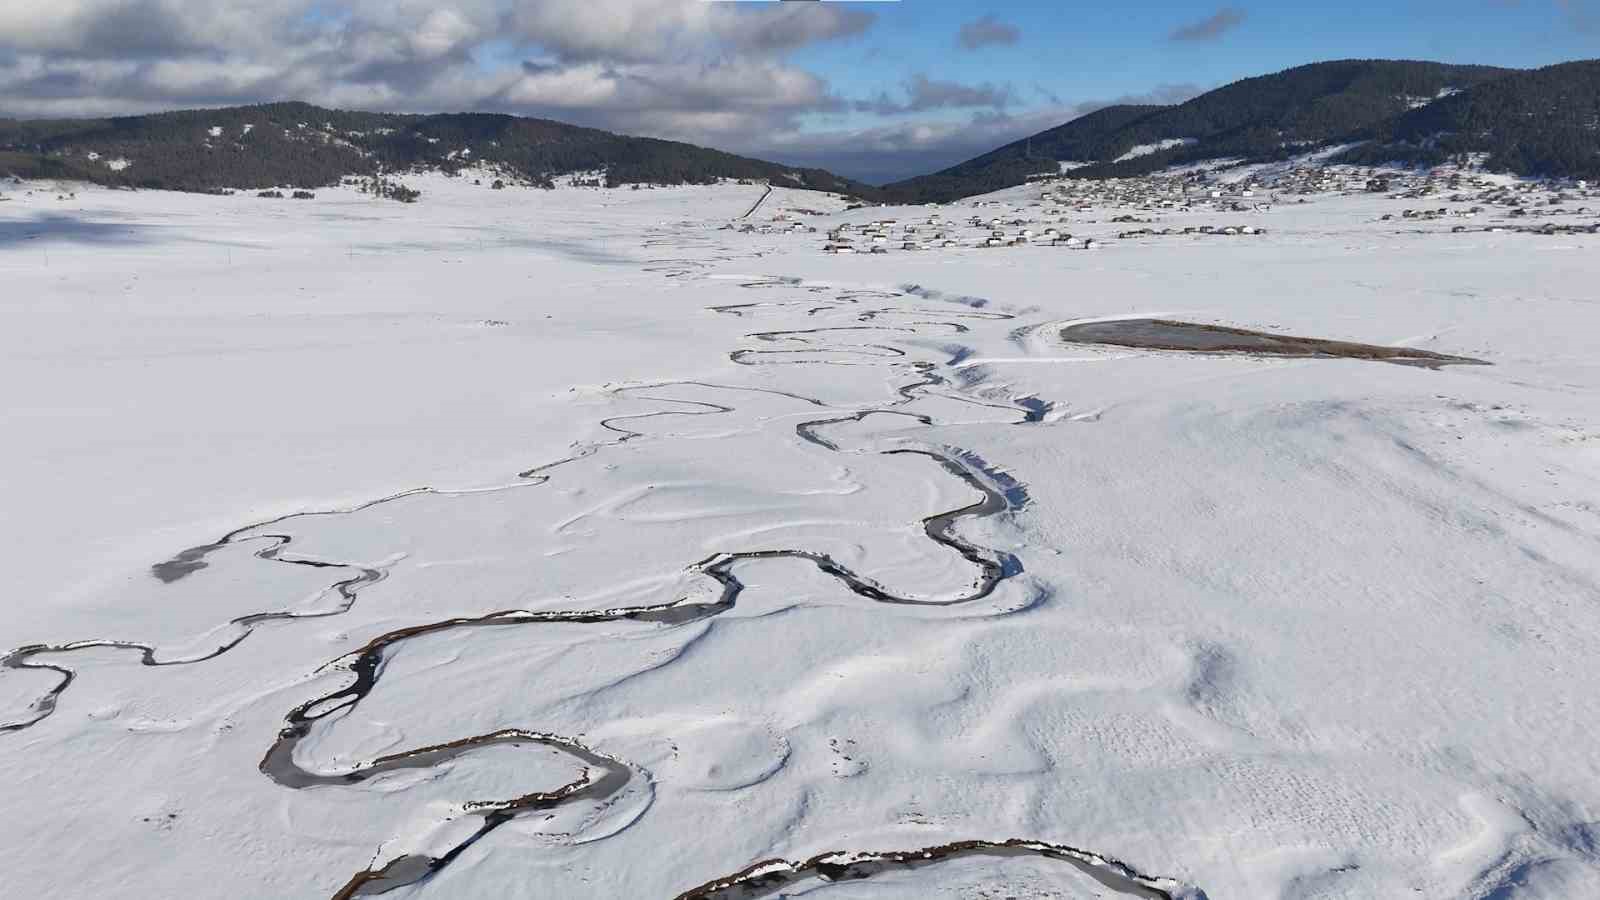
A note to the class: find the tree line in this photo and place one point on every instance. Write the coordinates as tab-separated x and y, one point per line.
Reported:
300	145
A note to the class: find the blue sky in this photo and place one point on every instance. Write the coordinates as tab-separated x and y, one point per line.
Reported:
1122	47
1087	51
872	90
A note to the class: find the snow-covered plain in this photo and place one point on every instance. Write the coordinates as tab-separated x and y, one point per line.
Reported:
560	544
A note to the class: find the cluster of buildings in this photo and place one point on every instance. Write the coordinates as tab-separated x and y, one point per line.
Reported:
1507	199
1548	229
875	236
1428	215
937	233
1224	231
1156	193
1045	214
779	225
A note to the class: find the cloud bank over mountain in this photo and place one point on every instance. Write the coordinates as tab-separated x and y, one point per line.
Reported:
718	74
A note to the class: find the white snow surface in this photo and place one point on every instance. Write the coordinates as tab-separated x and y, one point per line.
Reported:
1269	628
1415	102
1157	147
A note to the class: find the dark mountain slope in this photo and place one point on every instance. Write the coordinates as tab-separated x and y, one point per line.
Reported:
300	145
1543	122
1253	118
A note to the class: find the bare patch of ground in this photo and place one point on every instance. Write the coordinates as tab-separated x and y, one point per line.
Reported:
1169	334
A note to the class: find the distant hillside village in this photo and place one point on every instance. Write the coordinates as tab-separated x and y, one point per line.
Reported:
1538	123
1224	201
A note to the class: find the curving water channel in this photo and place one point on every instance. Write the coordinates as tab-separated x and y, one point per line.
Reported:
605	778
768	877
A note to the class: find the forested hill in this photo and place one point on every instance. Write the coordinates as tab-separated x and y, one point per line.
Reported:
1543	122
1270	116
300	145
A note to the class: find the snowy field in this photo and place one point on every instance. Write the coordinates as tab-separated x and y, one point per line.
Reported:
570	545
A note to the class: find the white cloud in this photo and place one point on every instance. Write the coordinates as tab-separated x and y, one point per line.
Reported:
654	30
1211	27
924	93
605	58
985	32
717	74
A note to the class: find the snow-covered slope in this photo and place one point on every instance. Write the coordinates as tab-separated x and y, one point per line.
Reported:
568	539
1158	146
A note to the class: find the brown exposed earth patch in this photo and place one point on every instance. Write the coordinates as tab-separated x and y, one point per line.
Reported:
1169	334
